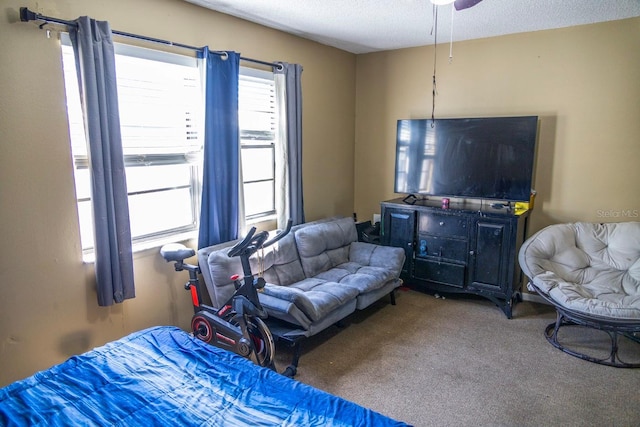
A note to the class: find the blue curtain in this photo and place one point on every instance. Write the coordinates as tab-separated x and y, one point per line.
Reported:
293	95
220	185
95	61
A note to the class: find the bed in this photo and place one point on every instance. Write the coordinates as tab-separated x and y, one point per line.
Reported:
162	376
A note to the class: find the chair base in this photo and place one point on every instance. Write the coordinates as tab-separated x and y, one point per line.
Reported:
628	328
613	359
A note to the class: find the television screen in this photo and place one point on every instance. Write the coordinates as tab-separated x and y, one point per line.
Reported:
487	158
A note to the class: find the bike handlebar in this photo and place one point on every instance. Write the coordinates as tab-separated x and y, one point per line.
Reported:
279	235
238	247
252	241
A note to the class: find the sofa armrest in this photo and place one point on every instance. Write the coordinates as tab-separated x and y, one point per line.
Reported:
217	268
284	309
294	296
368	254
203	262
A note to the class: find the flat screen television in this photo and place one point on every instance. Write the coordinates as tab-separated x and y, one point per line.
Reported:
485	158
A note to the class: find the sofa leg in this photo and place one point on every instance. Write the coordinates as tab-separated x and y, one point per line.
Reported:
392	296
291	370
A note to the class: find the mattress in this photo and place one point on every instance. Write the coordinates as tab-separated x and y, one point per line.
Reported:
162	376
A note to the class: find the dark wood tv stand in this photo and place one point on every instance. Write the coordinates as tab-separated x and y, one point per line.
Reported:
469	248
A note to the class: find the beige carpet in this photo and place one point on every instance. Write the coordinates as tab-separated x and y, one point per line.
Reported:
460	362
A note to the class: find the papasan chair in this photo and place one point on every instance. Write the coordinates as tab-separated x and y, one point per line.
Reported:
590	273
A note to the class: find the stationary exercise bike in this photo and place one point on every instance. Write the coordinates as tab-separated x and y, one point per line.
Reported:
237	325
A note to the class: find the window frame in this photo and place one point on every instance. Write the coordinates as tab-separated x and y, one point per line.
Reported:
247	143
191	159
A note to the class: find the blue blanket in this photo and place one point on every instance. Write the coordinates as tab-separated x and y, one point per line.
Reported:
164	377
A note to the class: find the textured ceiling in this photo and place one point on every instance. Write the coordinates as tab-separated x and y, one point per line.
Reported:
362	26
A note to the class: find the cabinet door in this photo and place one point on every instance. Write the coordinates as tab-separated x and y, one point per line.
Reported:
398	230
489	258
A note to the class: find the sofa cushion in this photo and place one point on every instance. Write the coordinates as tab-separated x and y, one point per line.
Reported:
281	262
363	278
314	297
370	267
368	279
390	258
326	245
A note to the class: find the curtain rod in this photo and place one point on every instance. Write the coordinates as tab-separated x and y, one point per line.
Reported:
26	15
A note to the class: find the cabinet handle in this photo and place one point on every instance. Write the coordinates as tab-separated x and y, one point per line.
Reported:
471	253
441	223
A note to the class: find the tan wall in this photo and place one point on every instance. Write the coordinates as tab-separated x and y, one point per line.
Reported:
48	308
583	82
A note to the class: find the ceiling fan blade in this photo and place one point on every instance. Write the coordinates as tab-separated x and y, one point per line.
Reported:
465	4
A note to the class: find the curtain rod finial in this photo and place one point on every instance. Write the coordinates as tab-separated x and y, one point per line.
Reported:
26	15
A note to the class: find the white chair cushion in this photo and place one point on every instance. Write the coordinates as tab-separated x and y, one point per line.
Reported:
587	267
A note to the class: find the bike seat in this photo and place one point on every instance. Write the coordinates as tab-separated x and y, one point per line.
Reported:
176	252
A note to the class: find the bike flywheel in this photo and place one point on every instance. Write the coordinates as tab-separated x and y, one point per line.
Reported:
265	349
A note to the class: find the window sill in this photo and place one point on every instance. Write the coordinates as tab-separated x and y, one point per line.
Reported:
268	222
265	222
90	257
261	219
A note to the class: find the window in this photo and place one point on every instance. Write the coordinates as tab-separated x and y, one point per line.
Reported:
160	103
257	118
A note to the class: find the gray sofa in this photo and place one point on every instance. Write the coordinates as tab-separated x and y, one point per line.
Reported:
316	276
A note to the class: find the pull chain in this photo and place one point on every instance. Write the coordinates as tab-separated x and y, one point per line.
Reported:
451	37
435	49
